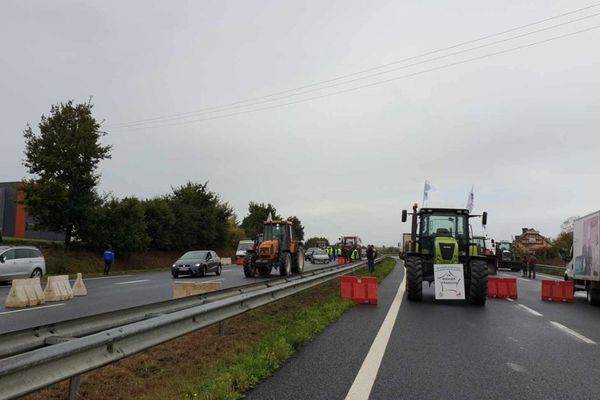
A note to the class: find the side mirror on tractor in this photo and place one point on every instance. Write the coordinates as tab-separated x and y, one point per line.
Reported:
484	218
404	214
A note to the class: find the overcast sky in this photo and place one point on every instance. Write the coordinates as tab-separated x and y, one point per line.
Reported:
521	126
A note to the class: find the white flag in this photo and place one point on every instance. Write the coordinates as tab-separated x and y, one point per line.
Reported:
270	217
470	200
426	189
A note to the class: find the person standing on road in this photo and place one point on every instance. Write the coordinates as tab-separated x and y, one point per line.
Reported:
371	258
525	266
531	265
109	260
354	254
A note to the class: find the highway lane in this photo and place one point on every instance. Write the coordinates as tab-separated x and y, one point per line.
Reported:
450	350
114	293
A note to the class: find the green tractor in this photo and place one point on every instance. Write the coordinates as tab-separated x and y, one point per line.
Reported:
441	238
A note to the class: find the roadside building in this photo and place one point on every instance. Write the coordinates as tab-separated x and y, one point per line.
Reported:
532	240
14	220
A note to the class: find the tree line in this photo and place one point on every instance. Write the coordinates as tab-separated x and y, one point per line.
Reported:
61	195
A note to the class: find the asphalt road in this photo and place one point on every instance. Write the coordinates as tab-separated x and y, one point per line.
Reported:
114	293
449	350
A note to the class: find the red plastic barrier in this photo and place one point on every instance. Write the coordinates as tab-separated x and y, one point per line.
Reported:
561	291
502	288
346	287
341	260
359	290
239	260
371	284
492	287
512	287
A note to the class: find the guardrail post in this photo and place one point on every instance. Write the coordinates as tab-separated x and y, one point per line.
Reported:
74	382
222	328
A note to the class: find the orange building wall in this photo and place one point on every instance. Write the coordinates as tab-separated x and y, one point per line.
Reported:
21	216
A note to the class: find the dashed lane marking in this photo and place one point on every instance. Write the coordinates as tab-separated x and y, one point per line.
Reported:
106	277
529	310
128	282
516	367
32	309
363	383
572	332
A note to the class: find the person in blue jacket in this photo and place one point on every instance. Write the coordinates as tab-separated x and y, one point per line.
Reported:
109	260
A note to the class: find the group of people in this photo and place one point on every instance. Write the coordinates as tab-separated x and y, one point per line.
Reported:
529	263
353	254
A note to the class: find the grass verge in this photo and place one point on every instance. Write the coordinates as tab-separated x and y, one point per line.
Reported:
204	365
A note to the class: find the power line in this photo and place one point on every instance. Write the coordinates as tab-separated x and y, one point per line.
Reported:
445	66
240	103
390	70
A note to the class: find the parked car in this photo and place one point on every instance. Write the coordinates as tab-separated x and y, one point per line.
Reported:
308	253
197	263
319	256
21	262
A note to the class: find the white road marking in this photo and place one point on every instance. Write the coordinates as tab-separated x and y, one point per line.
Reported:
213	280
32	309
516	367
128	282
363	383
511	300
572	332
106	277
529	310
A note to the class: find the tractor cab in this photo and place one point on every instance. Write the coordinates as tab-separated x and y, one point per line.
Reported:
277	236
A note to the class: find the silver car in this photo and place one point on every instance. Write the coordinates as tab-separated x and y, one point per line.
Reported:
21	262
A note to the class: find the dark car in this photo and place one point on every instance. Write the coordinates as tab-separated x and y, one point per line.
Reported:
197	263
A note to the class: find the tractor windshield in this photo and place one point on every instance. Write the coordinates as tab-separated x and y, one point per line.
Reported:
444	225
274	231
504	246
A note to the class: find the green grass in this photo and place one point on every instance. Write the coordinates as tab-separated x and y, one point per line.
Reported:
232	376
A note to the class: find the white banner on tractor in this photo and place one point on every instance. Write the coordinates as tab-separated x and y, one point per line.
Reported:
449	281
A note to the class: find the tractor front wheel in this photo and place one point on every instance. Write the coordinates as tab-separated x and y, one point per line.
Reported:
285	264
414	278
298	262
479	279
249	267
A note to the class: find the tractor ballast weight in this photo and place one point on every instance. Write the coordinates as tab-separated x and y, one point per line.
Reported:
277	249
443	236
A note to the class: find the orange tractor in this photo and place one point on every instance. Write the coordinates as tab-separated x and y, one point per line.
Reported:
277	249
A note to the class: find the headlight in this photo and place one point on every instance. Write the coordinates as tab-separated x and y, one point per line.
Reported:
174	265
196	265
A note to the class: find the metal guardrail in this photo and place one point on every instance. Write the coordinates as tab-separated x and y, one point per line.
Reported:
81	351
551	267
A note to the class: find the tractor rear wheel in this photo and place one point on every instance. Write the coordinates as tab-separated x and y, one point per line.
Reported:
414	278
249	267
285	264
478	287
298	262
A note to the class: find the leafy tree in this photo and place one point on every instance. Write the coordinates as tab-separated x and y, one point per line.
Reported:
567	225
160	223
313	242
63	159
234	233
297	228
120	224
201	217
257	215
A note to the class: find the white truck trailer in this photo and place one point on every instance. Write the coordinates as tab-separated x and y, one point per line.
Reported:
583	262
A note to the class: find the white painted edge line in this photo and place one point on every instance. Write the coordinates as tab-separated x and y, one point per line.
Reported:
212	280
32	309
128	282
363	383
572	332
